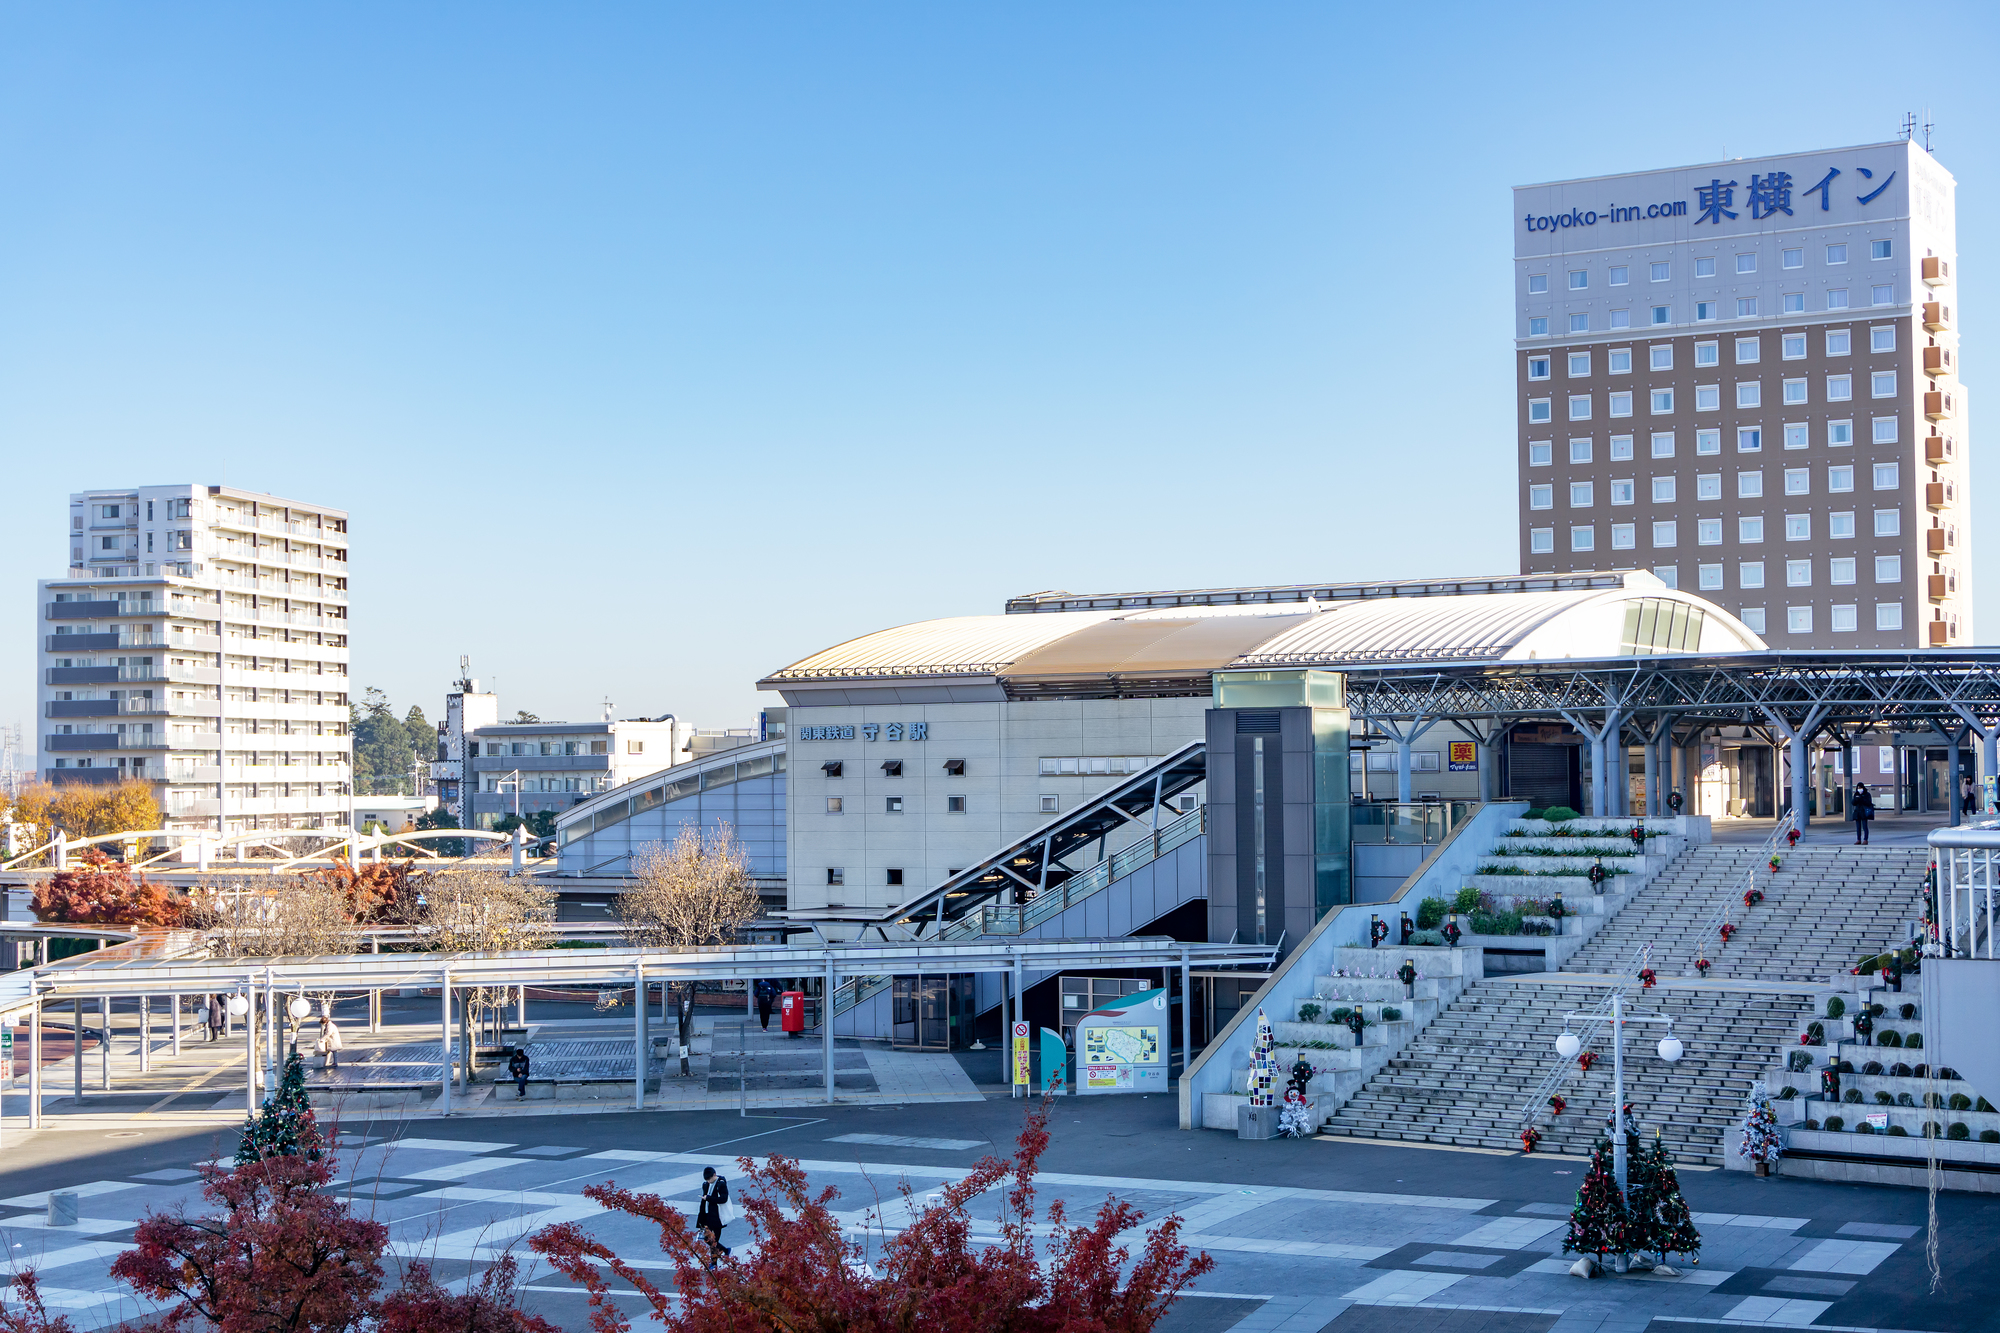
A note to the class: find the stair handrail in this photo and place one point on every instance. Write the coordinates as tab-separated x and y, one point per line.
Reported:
1718	917
1565	1067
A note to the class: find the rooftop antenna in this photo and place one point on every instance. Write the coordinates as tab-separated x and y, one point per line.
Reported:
1909	125
1929	125
607	708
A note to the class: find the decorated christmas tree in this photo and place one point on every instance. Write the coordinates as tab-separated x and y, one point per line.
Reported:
1598	1222
1762	1141
1661	1221
284	1126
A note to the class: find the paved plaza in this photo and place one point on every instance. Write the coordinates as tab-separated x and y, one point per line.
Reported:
1312	1235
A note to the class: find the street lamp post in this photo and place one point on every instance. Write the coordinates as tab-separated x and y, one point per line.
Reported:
1670	1050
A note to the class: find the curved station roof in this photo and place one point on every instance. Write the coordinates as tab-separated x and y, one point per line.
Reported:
1139	644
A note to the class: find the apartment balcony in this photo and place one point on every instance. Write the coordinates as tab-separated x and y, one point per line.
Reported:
95	741
1937	587
277	712
1940	494
1940	406
204	774
111	675
1939	540
1937	316
88	610
201	807
1938	633
99	643
285	773
105	708
1936	272
94	777
1939	449
1939	361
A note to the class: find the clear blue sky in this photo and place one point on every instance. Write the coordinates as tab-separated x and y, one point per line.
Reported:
655	346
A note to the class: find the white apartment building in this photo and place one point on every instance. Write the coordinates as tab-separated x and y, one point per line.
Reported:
199	643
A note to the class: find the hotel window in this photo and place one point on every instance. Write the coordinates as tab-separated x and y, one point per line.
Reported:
1746	307
1752	618
1798	619
1797	435
1882	384
1746	263
1620	319
1798	573
1663	490
1708	441
1704	268
1662	272
1704	310
1621	492
1795	303
1792	258
1842	619
1888	615
1888	523
1538	409
1749	485
1798	527
1749	439
1621	404
1888	569
1537	283
1750	574
1579	495
1840	569
1750	528
1839	388
1539	452
1708	532
1840	523
1668	574
1663	444
1578	280
1798	481
1579	450
833	805
1624	536
1538	367
835	876
1839	433
1541	497
1749	350
1882	339
1663	402
1579	323
1708	577
1660	356
954	805
1541	541
893	876
1880	249
1840	478
1663	314
1882	294
1795	391
1839	342
1836	298
1538	326
1707	397
1051	804
1621	448
1618	360
1707	354
1708	486
1792	347
1620	275
1583	539
1579	407
1836	254
1885	477
1750	393
1579	365
1664	534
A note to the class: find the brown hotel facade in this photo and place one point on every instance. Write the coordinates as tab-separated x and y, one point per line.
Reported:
1743	377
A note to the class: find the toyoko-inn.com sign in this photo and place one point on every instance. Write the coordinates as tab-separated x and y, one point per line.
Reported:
1766	195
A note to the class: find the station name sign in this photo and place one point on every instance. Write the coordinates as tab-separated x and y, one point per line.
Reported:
892	731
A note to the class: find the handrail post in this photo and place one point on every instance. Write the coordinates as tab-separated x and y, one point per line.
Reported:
444	1035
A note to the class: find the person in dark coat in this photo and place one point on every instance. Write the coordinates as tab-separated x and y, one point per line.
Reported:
767	995
517	1069
708	1216
1863	811
215	1018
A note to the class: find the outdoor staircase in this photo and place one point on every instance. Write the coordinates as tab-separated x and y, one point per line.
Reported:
1469	1076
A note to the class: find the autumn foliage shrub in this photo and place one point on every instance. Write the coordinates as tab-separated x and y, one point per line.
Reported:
104	892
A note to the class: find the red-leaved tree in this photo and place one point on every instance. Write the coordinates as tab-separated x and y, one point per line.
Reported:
421	1305
807	1275
104	892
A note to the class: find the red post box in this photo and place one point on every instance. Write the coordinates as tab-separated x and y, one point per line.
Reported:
792	1012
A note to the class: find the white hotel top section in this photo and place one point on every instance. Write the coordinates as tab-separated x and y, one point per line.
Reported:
1578	232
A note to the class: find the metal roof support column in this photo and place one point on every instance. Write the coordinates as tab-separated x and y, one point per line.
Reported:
270	1033
826	1022
177	1023
639	1036
1797	736
104	1047
1020	1016
76	1042
1989	765
145	1034
1599	793
1187	1018
1485	734
1951	776
34	1061
249	993
444	1045
1405	735
1989	748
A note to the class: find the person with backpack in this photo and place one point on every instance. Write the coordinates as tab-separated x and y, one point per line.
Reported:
517	1069
714	1213
767	996
1862	813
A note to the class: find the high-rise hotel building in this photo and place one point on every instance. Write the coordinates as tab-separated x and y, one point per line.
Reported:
1743	376
199	643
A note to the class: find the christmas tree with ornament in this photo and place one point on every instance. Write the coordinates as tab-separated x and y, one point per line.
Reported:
284	1126
1762	1140
1598	1221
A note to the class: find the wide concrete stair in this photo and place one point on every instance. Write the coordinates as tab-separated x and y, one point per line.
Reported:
1823	909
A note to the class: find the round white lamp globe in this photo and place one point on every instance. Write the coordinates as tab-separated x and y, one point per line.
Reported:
299	1007
1670	1048
1568	1044
238	1005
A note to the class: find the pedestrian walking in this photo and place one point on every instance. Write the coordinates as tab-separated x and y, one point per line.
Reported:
329	1041
713	1214
1862	813
767	995
517	1069
1968	794
215	1018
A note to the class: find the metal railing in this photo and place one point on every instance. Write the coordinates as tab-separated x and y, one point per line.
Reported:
1710	929
999	919
1566	1067
1965	883
1413	823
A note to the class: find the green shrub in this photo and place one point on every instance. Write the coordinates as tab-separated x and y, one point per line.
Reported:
1989	1136
1888	1037
1982	1105
1787	1093
1851	1095
1872	1067
1898	1132
1933	1130
1958	1131
1427	937
1817	1031
1884	1099
1799	1061
1934	1101
1908	1011
1340	1015
1914	1041
1835	1007
1391	1014
1835	1123
1466	899
1559	814
1904	1099
1900	1070
1309	1013
1431	913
